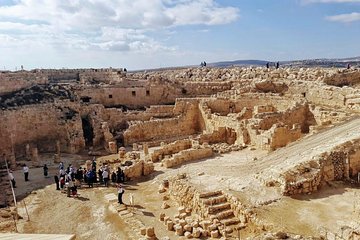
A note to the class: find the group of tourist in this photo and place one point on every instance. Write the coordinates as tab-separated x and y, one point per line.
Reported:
72	178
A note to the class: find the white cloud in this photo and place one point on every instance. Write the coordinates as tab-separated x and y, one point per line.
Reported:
118	25
345	18
201	12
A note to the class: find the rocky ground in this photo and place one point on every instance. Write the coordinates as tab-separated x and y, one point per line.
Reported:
93	216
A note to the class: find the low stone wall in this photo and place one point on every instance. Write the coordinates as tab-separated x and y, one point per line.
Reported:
279	136
186	123
187	155
340	164
222	135
344	78
171	148
138	168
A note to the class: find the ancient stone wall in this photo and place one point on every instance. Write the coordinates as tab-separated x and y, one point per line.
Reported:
187	155
298	114
41	126
222	135
13	81
118	118
343	78
170	149
131	97
279	136
138	168
341	163
186	124
253	124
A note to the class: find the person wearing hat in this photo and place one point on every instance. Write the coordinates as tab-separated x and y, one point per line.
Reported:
12	179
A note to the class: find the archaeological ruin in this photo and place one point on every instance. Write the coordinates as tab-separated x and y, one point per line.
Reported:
207	153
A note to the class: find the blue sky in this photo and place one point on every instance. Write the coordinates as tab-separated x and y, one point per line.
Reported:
139	34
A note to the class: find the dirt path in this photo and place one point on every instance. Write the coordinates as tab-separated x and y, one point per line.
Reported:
308	147
87	216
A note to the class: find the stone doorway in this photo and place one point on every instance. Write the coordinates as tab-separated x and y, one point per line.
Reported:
87	131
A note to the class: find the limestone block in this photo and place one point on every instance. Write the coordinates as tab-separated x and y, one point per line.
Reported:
188	234
162	216
182	222
170	225
150	232
161	189
179	230
148	168
195	224
183	215
166	218
188	228
205	224
143	231
196	232
281	235
214	234
188	211
229	230
205	233
164	205
213	227
181	209
146	149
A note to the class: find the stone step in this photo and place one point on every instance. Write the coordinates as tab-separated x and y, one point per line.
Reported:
231	221
217	208
210	194
224	215
215	200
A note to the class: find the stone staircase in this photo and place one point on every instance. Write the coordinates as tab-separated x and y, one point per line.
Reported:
126	213
217	207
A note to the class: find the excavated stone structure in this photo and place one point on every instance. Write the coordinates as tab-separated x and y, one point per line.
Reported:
171	117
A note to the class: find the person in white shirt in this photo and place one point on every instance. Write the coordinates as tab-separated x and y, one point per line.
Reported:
12	179
26	172
120	193
105	176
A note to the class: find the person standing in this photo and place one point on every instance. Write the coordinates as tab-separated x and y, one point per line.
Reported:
26	172
46	170
100	173
105	176
118	175
113	177
57	182
120	193
12	179
61	165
